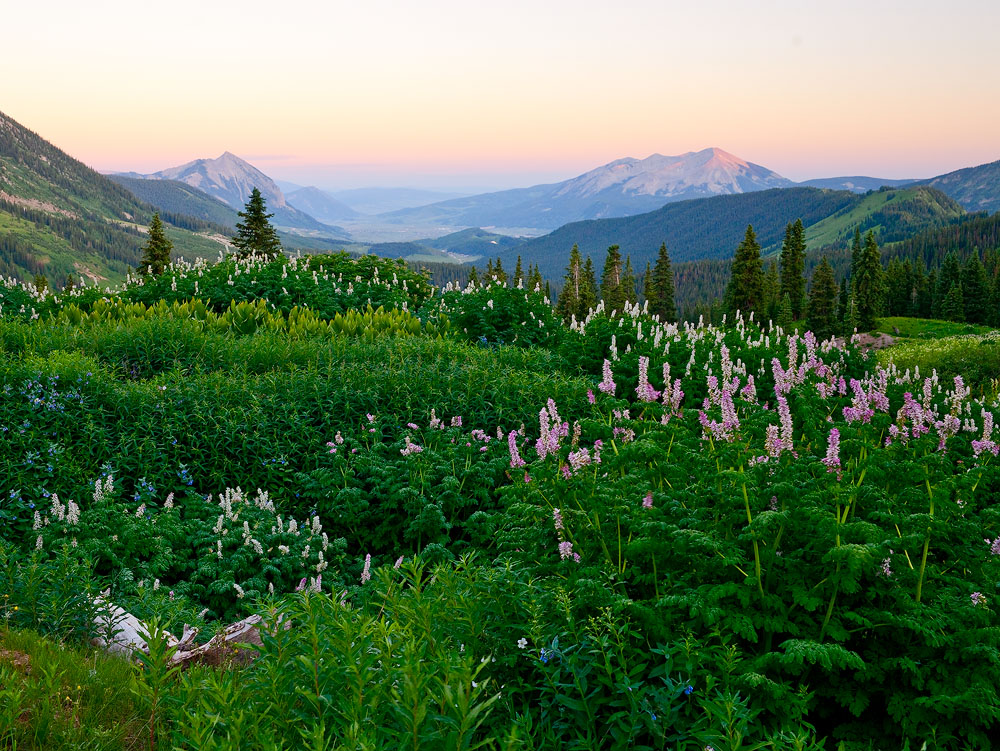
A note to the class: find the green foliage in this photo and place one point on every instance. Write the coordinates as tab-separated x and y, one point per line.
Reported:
156	252
662	303
746	280
614	292
821	314
496	315
255	236
600	537
793	264
869	285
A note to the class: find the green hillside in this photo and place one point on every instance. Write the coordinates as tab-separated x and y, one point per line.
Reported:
60	218
173	197
891	214
704	228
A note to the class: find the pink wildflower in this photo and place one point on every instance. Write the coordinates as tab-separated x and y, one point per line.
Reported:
366	571
515	456
607	384
832	459
647	502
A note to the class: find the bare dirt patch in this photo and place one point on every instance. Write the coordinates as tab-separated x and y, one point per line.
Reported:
33	203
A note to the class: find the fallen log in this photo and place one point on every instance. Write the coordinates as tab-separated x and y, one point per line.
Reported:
122	633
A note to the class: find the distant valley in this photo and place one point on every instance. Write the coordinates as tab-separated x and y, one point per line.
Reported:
61	218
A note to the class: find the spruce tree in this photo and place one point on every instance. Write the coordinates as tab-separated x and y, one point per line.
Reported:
746	282
897	289
518	273
993	315
949	276
783	315
869	285
821	313
535	281
498	273
648	288
255	235
930	306
921	303
953	305
588	290
569	299
41	282
843	303
772	293
663	304
793	267
474	277
975	291
628	282
156	252
611	282
856	250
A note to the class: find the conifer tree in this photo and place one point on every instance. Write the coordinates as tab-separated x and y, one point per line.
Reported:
772	293
611	282
518	273
897	289
921	304
628	282
474	277
793	267
498	273
949	276
783	314
648	288
41	282
254	233
855	253
821	312
568	304
535	280
953	305
975	291
993	315
746	282
156	252
930	306
843	303
869	285
663	304
588	290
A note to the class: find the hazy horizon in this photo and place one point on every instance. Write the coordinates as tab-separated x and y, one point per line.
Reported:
447	95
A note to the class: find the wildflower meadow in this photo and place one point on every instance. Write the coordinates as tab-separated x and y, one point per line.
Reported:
467	524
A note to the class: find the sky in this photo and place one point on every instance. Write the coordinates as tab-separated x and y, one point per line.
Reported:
466	95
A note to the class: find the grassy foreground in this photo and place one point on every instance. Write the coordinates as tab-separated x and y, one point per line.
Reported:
487	529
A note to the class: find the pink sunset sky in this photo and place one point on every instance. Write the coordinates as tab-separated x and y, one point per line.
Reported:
466	95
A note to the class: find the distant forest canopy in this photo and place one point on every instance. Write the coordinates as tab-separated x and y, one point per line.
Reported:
950	272
181	205
709	228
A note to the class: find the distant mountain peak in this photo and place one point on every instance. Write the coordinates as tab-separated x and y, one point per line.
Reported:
227	177
711	171
232	179
623	187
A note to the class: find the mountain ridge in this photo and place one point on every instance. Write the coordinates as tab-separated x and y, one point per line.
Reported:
623	187
231	179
